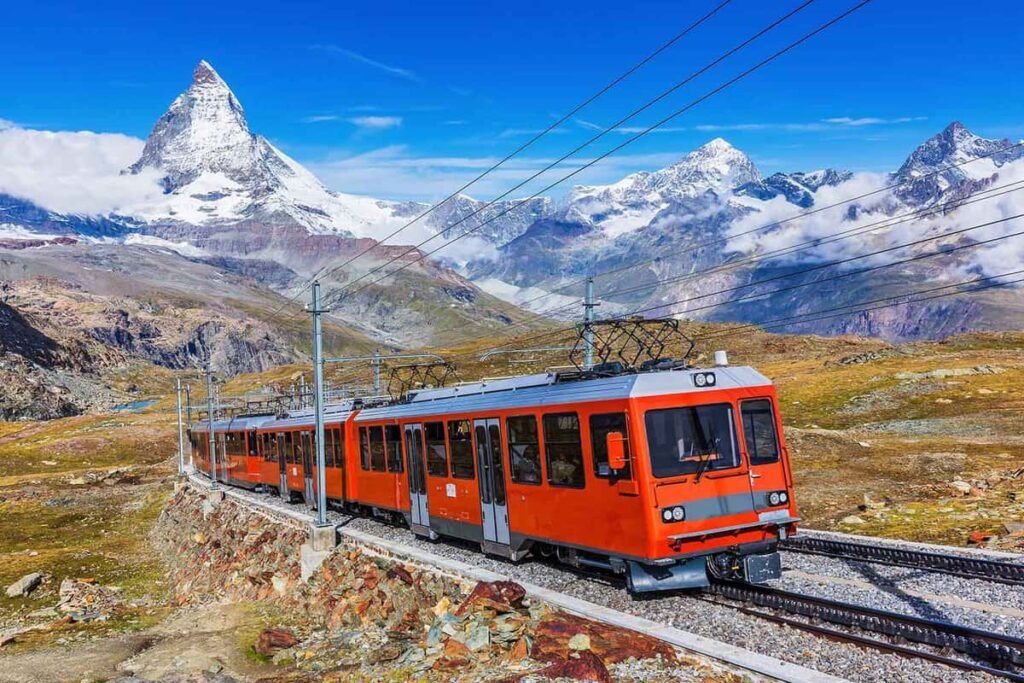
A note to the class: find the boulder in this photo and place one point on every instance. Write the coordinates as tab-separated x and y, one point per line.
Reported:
24	585
961	487
273	640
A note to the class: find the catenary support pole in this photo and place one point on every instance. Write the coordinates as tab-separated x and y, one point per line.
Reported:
376	372
188	404
181	427
318	408
588	319
209	423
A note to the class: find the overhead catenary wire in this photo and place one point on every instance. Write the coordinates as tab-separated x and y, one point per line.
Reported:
814	243
563	330
526	145
616	148
767	226
886	223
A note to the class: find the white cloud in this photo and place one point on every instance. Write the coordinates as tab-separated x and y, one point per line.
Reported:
993	259
394	172
407	74
73	172
376	122
322	118
6	124
871	120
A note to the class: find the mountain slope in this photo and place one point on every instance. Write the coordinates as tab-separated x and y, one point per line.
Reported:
677	237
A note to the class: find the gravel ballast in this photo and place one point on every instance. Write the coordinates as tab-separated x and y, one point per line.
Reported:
699	616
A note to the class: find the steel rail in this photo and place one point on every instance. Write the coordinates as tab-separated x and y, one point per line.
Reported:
1005	652
874	643
957	565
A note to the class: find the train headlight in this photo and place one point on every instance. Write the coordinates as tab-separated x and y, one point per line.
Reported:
773	498
711	379
700	380
673	514
783	496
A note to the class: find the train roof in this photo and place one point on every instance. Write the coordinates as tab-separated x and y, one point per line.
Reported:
234	424
337	412
545	389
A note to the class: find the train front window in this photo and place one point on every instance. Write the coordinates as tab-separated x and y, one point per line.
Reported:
691	440
759	431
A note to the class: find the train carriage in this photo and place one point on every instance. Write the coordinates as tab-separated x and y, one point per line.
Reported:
237	449
666	475
287	447
649	474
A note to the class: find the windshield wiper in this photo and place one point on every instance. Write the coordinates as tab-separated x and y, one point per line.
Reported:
704	464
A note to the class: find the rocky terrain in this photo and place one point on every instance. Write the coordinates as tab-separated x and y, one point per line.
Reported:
919	441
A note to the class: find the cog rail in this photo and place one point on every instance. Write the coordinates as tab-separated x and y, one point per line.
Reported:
957	565
1003	655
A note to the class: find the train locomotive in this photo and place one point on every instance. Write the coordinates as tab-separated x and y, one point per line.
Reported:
670	475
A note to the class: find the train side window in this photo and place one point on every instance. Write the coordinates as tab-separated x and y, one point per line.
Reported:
364	448
524	449
377	459
461	438
334	454
600	427
393	440
563	450
437	450
288	447
759	431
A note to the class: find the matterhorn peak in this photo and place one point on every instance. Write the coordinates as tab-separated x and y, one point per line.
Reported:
205	73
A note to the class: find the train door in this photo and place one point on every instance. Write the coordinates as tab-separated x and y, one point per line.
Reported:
282	466
414	451
494	506
762	446
307	468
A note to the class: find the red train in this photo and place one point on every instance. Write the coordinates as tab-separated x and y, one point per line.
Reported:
665	476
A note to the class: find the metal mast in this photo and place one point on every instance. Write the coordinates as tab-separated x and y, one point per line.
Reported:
318	408
588	319
209	424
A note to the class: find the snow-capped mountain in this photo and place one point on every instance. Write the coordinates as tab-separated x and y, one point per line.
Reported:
657	230
920	184
798	188
216	171
714	168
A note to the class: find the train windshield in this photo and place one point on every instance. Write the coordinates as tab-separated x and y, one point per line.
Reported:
692	439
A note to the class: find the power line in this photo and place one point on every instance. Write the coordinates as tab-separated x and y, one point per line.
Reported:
886	223
701	245
622	145
792	320
638	311
579	107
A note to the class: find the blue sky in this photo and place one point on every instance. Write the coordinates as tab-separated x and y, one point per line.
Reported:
407	99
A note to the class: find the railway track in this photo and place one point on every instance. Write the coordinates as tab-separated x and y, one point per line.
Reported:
1002	655
957	565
